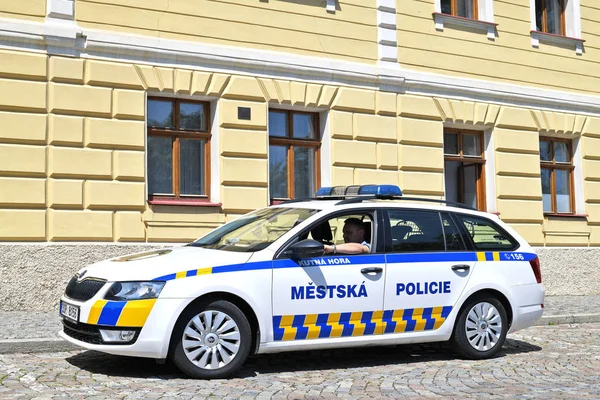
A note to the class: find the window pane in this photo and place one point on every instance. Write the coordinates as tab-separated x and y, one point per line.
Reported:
451	180
553	13
160	165
191	173
470	144
453	238
447	6
450	143
191	116
304	172
278	125
160	113
304	126
486	235
278	172
539	15
465	8
470	174
563	191
416	231
561	152
545	150
547	189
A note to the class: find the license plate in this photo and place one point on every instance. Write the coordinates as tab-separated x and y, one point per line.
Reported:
69	311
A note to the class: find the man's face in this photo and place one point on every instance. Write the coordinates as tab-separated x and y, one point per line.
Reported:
353	234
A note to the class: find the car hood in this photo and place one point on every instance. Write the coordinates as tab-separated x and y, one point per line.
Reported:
153	264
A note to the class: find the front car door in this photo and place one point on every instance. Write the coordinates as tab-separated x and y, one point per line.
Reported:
332	296
426	269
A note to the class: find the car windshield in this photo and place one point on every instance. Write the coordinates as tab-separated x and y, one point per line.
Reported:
254	231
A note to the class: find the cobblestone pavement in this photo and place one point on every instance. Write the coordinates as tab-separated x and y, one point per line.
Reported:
560	361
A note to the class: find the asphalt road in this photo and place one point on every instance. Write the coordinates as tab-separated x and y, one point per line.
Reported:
557	361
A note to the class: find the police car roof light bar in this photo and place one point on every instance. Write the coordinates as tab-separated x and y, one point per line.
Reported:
358	190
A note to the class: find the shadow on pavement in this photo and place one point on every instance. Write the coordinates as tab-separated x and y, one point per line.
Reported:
106	364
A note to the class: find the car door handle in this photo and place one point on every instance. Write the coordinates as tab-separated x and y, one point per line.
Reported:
461	267
371	270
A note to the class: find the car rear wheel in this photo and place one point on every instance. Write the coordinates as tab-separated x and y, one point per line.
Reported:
211	340
480	329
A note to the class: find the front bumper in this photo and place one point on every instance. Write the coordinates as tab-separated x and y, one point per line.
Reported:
151	340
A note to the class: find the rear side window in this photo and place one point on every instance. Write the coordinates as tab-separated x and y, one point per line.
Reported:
416	231
454	240
487	235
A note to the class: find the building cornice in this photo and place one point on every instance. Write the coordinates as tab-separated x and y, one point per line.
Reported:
99	44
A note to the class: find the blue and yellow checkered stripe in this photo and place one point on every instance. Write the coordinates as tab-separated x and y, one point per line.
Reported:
332	325
133	313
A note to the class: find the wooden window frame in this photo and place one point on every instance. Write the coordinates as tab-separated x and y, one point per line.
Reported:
553	165
176	133
563	26
480	160
290	142
454	9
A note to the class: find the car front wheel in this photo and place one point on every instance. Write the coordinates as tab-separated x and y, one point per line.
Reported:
212	340
480	328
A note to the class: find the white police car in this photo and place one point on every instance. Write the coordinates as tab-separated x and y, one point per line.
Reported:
262	283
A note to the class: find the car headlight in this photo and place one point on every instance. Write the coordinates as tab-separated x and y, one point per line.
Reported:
120	291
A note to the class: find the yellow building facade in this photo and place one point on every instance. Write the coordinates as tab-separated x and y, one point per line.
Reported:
146	122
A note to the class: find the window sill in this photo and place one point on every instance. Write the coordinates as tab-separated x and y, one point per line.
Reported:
561	215
551	38
475	24
193	202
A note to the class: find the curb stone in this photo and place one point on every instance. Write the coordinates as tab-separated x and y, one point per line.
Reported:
568	319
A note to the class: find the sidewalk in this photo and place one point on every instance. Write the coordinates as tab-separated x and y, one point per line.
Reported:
28	332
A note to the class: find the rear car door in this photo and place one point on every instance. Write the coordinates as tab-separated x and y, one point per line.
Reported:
427	269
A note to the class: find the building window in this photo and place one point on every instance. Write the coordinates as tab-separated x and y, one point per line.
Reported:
556	163
178	148
464	167
294	143
460	8
550	16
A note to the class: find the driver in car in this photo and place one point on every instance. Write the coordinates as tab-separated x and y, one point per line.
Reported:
354	237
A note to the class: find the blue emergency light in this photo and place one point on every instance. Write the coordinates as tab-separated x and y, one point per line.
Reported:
360	190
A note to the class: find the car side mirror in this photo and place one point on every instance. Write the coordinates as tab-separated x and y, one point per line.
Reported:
307	248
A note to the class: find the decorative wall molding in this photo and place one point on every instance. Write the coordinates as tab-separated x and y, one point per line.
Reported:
330	6
474	24
549	38
98	44
61	33
387	35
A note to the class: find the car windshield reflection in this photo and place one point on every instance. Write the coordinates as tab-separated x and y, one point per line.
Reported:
254	231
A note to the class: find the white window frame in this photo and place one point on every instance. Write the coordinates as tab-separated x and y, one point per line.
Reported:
485	21
572	29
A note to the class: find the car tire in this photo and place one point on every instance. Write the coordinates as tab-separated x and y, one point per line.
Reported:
480	329
211	340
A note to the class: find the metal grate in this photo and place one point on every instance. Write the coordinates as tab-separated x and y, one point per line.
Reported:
83	290
82	332
90	333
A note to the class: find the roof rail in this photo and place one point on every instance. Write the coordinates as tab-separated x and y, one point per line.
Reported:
378	197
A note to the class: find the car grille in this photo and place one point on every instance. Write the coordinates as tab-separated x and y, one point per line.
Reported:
83	290
90	333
